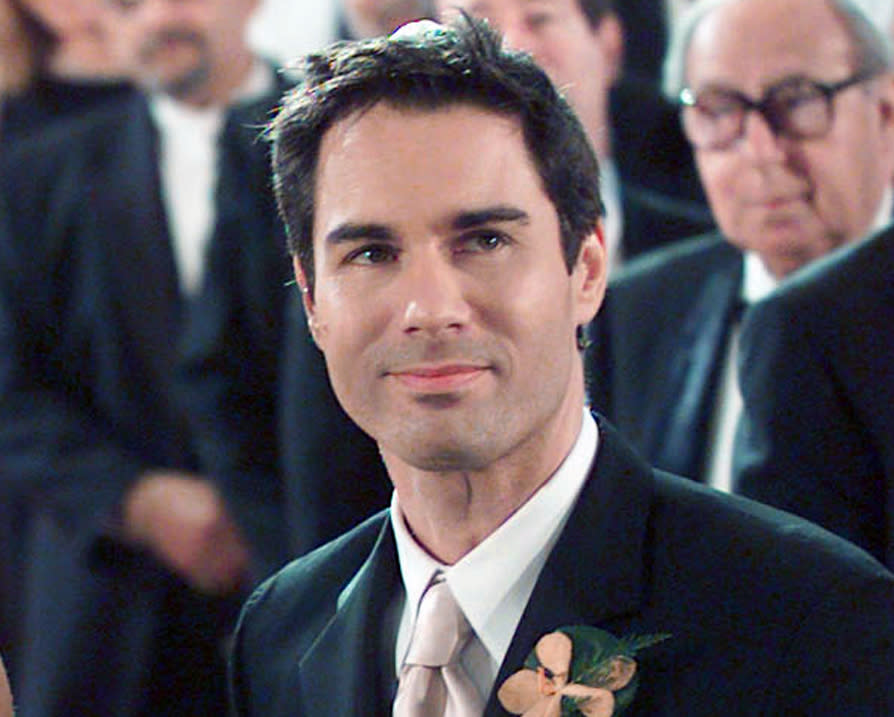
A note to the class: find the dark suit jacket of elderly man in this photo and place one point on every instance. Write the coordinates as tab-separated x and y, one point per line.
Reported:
89	399
658	345
817	375
769	615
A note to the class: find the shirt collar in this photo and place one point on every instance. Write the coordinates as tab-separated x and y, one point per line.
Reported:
757	281
493	582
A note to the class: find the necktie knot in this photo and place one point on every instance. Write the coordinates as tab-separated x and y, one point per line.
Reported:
432	680
441	629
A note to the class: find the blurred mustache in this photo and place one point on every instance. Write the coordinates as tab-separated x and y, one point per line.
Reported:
160	41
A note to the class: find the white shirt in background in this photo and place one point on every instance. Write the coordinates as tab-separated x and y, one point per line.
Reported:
188	156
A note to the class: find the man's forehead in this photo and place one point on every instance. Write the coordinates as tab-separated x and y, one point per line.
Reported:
486	7
752	44
387	164
391	117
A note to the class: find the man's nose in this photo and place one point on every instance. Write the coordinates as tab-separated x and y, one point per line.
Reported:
759	139
433	296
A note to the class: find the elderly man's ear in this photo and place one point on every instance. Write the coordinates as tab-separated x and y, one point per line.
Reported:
610	32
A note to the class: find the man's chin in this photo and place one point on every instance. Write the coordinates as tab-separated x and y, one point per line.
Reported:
184	85
443	456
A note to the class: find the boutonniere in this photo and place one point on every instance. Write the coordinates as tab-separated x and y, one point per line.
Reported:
576	670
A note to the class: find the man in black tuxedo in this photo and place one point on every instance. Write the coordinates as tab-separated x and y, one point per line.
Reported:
786	186
649	184
134	561
818	390
448	290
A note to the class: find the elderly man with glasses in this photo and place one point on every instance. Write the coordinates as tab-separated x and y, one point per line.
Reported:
789	108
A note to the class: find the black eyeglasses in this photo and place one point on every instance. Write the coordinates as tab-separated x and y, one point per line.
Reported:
797	108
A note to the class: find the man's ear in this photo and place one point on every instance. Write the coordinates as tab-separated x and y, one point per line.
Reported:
885	88
590	276
307	300
611	39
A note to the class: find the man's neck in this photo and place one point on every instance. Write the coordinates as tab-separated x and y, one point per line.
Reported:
450	513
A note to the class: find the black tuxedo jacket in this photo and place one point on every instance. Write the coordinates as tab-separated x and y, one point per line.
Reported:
817	430
769	615
89	399
658	345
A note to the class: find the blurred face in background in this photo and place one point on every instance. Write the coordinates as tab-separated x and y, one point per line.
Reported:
184	48
582	60
791	199
66	17
370	18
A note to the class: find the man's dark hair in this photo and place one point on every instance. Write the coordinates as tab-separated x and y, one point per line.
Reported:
429	67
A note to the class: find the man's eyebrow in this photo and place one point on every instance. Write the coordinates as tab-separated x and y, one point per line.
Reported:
357	232
477	217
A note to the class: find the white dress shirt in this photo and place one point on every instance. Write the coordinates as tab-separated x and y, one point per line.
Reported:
493	582
188	156
757	283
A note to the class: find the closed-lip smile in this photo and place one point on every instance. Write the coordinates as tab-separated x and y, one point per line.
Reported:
438	377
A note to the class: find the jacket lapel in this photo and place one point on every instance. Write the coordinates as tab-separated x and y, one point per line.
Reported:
347	670
594	573
685	409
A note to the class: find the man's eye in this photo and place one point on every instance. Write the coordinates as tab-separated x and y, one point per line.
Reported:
482	241
372	254
537	21
127	4
793	98
718	106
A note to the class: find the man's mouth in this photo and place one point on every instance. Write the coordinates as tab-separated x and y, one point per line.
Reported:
438	378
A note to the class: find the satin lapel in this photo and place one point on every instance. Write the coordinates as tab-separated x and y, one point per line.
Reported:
682	419
344	672
595	571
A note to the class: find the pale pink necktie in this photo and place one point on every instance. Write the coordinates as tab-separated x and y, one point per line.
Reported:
432	681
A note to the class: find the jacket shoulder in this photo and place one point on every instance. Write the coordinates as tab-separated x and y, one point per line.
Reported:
283	617
299	595
697	256
316	579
